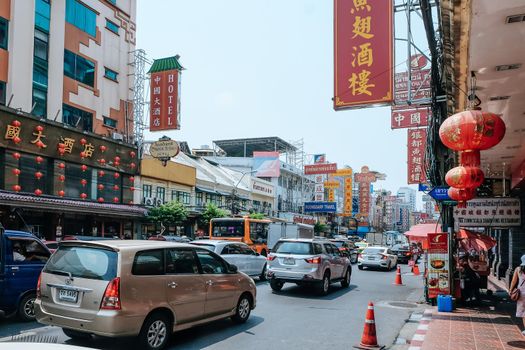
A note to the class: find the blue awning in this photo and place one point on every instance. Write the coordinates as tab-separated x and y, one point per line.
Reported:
205	190
363	229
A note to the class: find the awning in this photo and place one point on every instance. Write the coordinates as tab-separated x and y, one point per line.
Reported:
418	233
475	241
205	190
49	203
363	229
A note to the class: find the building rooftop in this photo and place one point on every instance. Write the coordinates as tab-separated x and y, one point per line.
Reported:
246	147
164	64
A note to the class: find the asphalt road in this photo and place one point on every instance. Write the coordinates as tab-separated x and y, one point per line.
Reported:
295	318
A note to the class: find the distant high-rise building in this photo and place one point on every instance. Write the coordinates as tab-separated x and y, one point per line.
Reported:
408	196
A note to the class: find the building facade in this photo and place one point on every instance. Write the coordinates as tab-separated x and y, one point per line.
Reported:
408	196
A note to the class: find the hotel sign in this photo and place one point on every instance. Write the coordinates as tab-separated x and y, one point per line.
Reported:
164	100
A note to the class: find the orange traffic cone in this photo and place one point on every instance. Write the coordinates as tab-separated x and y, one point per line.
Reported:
369	338
415	270
398	281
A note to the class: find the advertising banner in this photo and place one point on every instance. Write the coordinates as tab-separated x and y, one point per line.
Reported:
348	194
343	172
416	146
364	178
363	53
416	94
266	164
262	187
493	212
319	158
438	264
331	195
409	118
331	184
419	80
328	168
320	207
164	101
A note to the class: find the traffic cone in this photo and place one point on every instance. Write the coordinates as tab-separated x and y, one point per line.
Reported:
415	270
369	338
398	281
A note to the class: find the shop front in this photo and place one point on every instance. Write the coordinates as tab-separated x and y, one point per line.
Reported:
262	196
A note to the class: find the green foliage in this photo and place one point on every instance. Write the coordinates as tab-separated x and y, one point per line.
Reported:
318	227
257	216
211	212
171	213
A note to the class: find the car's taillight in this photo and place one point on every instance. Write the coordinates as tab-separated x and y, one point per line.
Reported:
407	253
270	257
111	298
38	286
314	260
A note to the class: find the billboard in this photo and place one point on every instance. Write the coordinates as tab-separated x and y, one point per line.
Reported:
364	178
409	118
491	212
319	158
363	53
327	168
348	194
320	207
419	79
164	100
417	140
266	164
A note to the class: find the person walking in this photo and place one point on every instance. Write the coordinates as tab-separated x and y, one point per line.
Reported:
518	283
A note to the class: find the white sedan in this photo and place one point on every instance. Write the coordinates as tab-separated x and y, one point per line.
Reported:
381	257
238	254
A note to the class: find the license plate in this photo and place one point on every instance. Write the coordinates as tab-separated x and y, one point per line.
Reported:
70	296
371	258
289	261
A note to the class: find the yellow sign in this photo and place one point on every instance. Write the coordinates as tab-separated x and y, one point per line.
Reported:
344	172
331	184
331	195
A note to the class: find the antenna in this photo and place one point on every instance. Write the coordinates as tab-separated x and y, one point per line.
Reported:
10	99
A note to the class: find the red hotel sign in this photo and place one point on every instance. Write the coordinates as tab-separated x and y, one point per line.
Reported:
417	140
164	100
327	168
363	53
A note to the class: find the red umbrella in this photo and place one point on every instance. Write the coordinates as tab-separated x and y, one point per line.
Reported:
471	240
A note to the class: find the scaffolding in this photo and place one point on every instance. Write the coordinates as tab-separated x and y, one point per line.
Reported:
139	101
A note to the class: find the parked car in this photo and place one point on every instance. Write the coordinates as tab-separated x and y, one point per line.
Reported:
22	257
361	246
346	247
169	238
239	254
308	261
380	257
403	252
51	245
86	238
139	288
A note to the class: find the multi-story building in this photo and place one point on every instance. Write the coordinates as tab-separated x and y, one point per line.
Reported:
408	196
66	131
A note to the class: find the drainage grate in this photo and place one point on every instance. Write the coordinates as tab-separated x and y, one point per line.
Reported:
402	304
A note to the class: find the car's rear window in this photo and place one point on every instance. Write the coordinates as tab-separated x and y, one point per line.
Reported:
83	262
374	251
298	248
52	245
338	244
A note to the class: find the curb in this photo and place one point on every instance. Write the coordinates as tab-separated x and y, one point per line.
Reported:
421	331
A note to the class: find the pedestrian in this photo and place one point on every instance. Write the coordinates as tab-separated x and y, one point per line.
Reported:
517	283
470	290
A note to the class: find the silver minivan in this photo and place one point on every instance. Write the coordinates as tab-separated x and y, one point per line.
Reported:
139	288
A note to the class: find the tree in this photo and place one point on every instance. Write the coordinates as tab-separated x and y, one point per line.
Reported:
318	227
171	213
211	212
257	216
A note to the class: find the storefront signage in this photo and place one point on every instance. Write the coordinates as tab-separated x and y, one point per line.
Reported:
438	264
331	184
164	100
363	53
331	195
419	79
409	118
319	158
320	207
265	189
343	172
364	178
348	196
493	212
416	94
416	147
304	219
327	168
164	149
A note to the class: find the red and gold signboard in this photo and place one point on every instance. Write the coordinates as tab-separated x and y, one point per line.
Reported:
438	264
417	140
364	178
327	168
348	207
164	101
363	57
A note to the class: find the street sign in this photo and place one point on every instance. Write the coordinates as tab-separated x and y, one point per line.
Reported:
424	187
320	207
164	149
440	193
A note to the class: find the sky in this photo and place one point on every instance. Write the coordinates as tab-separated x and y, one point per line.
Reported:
262	68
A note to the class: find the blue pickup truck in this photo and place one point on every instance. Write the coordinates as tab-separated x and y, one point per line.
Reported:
22	257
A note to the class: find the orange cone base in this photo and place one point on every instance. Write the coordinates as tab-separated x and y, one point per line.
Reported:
365	347
415	270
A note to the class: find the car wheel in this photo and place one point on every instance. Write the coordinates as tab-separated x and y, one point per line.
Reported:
26	308
345	283
155	332
276	285
262	276
324	287
360	267
75	334
244	307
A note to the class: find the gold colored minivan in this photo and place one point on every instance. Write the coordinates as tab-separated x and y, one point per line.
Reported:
147	289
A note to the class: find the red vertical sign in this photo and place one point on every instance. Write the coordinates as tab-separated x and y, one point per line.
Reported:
363	53
417	140
164	100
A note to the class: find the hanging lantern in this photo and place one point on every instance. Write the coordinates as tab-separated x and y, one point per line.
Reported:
61	193
61	165
17	155
116	175
61	148
38	175
461	195
40	144
16	171
83	141
131	179
115	199
116	188
83	167
100	200
61	178
39	159
83	195
100	187
83	182
38	192
102	161
471	130
17	140
132	154
465	177
117	159
132	189
17	188
16	123
101	173
39	128
103	148
132	165
82	154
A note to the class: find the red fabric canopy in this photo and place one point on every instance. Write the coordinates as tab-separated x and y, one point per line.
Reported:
471	240
418	233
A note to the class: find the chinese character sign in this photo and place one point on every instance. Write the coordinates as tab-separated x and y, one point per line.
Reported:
409	118
364	179
363	57
164	100
417	140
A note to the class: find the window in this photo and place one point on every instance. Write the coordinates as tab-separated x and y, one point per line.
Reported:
329	249
245	250
28	251
258	232
174	196
161	194
181	261
78	68
39	100
317	248
77	118
84	262
42	15
199	197
147	190
112	26
81	17
210	263
297	248
149	262
2	93
112	123
114	2
41	46
4	24
231	249
110	74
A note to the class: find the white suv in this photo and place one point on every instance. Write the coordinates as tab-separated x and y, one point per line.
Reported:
308	261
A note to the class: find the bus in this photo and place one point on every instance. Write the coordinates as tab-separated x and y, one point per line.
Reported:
253	232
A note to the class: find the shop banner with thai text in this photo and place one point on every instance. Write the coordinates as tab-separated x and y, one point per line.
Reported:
164	101
327	168
417	140
491	212
438	264
363	53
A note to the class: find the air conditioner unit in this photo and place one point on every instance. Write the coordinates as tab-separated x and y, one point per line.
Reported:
149	201
117	136
158	202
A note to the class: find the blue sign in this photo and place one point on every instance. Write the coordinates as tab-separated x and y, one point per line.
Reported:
440	193
320	207
424	188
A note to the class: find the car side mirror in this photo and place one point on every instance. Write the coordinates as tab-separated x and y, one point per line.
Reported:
233	268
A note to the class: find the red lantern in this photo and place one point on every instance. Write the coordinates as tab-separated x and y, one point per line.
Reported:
82	154
115	199
116	175
100	200
102	161
16	123
16	171
101	173
38	192
465	177
17	188
131	202
17	140
470	130
38	175
100	187
61	148
117	159
132	165
61	165
39	159
103	148
17	155
132	189
83	167
132	154
83	182
61	178
61	193
40	144
83	142
39	128
131	179
83	195
461	195
116	188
